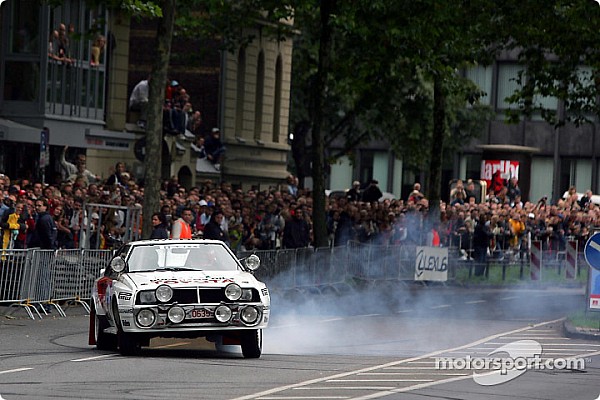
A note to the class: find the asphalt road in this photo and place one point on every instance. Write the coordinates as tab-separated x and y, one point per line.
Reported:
383	343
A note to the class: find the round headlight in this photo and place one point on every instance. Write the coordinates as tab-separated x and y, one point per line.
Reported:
233	291
249	315
176	314
146	318
223	313
164	293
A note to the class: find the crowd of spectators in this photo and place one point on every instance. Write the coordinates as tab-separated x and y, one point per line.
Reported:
281	216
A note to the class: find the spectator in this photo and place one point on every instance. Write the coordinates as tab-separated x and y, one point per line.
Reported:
213	230
514	191
372	192
118	178
138	101
292	186
11	222
270	227
159	226
181	228
416	195
70	170
481	245
296	233
470	192
354	194
64	236
215	149
586	200
97	50
45	233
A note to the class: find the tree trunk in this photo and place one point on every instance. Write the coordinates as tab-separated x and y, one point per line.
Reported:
154	130
318	150
437	148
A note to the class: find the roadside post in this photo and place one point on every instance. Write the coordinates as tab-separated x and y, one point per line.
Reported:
535	262
571	259
592	257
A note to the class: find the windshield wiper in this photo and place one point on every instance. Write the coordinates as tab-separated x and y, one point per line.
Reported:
175	269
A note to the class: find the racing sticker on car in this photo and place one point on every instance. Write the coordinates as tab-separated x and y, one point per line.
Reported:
175	281
265	291
125	296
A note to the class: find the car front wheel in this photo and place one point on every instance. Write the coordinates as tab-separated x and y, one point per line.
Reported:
252	343
104	341
129	345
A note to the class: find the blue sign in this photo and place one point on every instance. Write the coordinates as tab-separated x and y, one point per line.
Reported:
592	251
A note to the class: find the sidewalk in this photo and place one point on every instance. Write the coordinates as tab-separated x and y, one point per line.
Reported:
576	332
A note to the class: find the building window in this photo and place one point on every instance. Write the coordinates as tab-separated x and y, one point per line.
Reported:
258	101
482	77
76	62
24	27
240	93
508	75
22	66
277	100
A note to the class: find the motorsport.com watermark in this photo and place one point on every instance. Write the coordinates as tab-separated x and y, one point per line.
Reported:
523	355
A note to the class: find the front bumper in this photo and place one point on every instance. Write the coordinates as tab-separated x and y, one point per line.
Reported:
198	317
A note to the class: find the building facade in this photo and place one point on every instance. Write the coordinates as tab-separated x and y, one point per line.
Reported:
71	70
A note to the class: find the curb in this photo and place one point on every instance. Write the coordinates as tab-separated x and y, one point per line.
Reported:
573	332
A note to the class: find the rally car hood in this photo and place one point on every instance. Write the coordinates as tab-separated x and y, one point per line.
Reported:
150	280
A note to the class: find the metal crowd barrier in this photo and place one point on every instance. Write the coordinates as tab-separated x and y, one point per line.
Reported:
38	280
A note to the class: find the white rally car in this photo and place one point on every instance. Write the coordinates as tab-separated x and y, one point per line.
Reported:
178	289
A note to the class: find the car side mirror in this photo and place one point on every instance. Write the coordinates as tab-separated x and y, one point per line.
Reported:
252	262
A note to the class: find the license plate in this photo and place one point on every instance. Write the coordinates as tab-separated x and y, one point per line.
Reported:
199	313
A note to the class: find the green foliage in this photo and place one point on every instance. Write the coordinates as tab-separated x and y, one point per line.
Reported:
137	8
558	52
383	58
230	21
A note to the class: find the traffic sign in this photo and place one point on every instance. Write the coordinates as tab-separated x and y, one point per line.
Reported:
592	251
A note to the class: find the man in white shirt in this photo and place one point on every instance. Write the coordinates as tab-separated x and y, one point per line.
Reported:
138	101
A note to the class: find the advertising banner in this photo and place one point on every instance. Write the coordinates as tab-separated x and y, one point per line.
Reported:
507	168
431	264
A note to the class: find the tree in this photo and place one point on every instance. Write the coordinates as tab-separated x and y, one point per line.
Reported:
154	129
388	69
558	50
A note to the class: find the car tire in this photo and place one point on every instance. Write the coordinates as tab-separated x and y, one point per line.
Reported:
128	344
252	343
104	341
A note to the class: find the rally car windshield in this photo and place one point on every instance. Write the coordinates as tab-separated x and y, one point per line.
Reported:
208	257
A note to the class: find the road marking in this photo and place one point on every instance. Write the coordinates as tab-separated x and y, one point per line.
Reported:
538	337
380	380
509	298
94	358
345	388
383	393
403	311
441	306
475	301
8	371
556	344
410	373
300	398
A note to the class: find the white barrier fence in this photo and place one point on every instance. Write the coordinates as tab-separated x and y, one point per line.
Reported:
38	279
